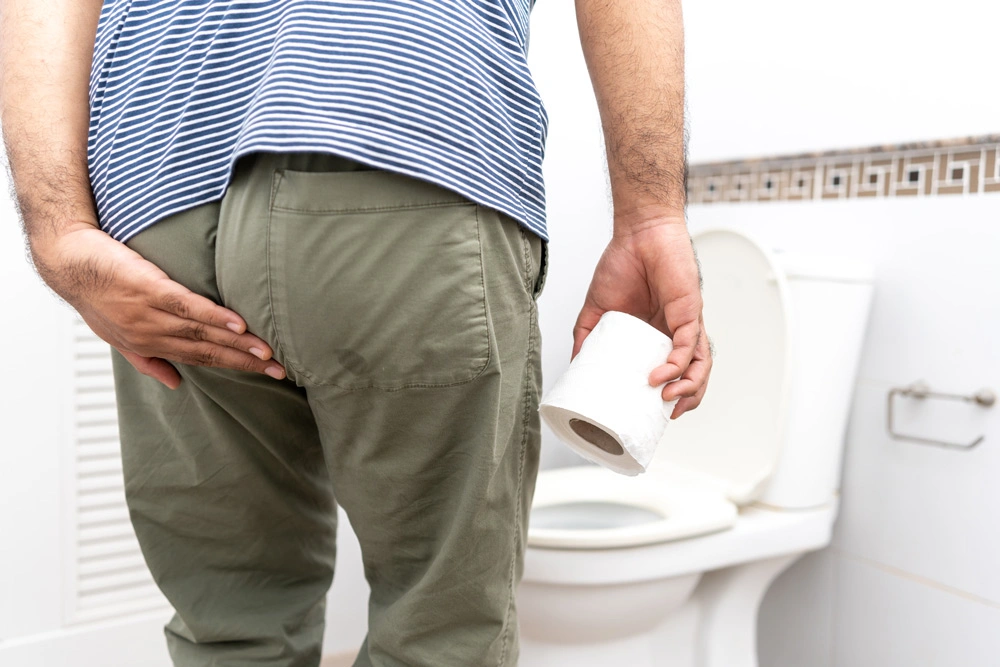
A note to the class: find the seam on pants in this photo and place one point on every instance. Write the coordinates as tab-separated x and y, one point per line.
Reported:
275	182
525	417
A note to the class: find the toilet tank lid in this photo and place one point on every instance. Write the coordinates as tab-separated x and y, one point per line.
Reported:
804	266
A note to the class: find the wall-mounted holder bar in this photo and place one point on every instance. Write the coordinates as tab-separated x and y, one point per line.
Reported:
919	390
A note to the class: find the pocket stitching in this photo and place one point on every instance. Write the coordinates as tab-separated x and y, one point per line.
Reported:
275	181
371	209
543	270
449	198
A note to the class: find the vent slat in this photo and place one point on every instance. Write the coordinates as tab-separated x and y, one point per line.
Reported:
87	365
95	517
111	548
95	600
100	499
92	348
97	417
111	564
99	466
101	483
109	532
97	449
89	383
96	433
110	610
92	400
114	582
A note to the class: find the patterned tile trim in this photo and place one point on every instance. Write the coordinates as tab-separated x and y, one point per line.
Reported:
953	167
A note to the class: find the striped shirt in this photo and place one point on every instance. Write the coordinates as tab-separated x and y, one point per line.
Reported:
437	90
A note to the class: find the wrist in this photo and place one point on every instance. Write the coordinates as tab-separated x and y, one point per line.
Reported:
637	219
48	245
45	237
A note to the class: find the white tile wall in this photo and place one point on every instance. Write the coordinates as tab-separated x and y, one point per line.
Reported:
925	510
924	513
888	620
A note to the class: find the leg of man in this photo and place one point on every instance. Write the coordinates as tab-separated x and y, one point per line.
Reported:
227	489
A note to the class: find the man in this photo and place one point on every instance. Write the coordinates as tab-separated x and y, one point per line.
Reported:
314	234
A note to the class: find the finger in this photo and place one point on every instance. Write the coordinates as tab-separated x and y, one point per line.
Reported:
695	378
679	389
199	331
585	322
184	303
155	368
220	356
685	340
687	404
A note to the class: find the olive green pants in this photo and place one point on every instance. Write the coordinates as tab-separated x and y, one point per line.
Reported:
405	316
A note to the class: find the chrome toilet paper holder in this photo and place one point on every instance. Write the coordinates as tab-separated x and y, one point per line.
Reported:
920	390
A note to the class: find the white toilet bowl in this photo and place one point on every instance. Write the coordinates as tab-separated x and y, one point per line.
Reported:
669	568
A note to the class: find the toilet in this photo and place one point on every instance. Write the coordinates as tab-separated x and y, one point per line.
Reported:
669	568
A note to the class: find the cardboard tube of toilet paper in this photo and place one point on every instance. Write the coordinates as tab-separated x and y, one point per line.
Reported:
603	407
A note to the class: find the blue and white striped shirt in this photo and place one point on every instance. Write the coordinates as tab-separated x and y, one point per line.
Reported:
437	90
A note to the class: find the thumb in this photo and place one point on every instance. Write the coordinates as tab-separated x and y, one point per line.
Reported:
156	368
588	318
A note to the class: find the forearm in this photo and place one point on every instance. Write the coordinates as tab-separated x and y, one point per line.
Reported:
45	54
635	54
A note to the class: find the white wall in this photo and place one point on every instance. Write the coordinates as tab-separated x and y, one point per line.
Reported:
909	579
778	76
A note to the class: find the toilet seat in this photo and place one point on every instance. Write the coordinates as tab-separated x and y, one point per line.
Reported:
657	507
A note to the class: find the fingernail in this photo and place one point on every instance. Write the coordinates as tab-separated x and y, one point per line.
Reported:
276	372
257	352
234	327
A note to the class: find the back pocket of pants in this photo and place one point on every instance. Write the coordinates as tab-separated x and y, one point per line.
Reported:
376	281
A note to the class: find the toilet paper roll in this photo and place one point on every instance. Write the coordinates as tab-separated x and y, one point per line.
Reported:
603	406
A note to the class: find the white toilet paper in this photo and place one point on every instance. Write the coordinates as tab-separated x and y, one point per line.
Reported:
603	407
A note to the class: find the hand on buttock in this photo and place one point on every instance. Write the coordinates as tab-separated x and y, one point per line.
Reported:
133	305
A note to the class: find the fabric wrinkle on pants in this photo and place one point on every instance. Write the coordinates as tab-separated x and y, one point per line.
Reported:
406	319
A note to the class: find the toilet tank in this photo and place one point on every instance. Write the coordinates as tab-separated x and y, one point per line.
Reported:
829	302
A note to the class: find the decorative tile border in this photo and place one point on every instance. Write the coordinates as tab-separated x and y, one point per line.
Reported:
953	167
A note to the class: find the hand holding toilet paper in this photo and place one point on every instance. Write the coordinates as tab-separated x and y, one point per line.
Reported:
603	407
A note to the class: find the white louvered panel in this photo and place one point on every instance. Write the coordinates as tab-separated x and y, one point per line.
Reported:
111	576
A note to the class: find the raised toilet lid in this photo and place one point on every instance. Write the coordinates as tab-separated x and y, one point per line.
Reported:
735	435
